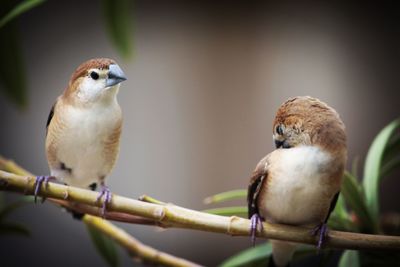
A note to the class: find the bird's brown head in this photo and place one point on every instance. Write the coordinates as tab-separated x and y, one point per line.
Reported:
93	79
308	121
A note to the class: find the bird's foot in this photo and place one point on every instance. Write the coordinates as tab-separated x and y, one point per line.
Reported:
105	191
255	223
38	184
321	230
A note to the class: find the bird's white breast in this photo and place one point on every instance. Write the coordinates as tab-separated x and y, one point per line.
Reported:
81	146
298	192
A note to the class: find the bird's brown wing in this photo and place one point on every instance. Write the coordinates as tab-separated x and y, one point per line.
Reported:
332	206
259	177
50	117
55	126
111	147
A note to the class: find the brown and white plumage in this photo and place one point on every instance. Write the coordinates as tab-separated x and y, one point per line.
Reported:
298	183
84	125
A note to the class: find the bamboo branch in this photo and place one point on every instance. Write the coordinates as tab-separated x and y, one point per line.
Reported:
10	166
137	248
110	215
133	246
173	216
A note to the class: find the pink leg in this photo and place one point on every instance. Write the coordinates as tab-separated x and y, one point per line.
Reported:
105	191
322	230
38	184
255	223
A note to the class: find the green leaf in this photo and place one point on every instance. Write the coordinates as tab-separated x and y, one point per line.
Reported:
352	193
28	199
373	166
390	166
117	15
104	245
340	208
225	196
392	149
12	72
229	211
249	257
342	224
18	10
258	256
340	219
349	258
13	228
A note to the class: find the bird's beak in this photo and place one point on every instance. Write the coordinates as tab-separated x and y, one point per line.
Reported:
278	143
115	75
282	144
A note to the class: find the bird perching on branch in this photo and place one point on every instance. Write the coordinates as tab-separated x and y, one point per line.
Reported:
84	128
299	182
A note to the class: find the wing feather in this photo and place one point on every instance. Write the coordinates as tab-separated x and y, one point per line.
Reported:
332	206
111	146
50	117
257	181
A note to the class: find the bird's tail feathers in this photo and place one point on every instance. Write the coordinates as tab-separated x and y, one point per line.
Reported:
282	252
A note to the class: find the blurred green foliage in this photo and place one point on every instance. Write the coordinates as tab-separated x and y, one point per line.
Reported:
357	209
17	9
12	71
250	257
104	245
8	227
119	24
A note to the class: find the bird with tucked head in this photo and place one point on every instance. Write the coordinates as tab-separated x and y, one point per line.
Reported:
84	128
299	182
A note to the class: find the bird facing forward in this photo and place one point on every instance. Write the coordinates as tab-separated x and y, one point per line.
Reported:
84	127
299	182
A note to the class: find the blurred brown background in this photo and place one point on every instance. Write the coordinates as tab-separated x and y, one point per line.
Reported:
203	86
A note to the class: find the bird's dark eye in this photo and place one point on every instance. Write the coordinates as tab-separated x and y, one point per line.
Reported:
279	129
94	75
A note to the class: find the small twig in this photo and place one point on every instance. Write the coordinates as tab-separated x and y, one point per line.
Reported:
146	253
95	211
174	216
149	199
10	166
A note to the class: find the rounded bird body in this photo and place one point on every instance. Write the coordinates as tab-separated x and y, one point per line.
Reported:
299	186
299	182
84	125
83	143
